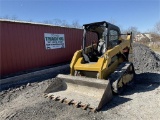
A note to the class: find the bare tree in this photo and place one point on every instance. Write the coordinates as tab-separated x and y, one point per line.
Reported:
75	24
155	37
30	20
47	22
6	17
134	31
157	27
57	21
14	17
112	21
155	32
64	23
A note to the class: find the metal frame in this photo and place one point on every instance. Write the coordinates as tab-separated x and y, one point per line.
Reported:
104	25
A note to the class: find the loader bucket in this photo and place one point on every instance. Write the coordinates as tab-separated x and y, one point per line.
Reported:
80	91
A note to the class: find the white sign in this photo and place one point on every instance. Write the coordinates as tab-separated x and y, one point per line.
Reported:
54	41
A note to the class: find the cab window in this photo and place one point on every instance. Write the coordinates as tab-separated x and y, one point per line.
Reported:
113	38
113	35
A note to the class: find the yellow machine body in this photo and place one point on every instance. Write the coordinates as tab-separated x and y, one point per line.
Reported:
90	83
105	65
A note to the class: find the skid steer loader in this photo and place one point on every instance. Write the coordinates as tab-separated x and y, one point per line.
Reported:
97	70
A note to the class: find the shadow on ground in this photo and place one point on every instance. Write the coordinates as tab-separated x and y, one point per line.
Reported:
144	82
116	101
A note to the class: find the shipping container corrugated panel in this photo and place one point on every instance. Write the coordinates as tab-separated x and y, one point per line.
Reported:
23	46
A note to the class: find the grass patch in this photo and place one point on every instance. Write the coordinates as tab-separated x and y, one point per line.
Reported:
156	49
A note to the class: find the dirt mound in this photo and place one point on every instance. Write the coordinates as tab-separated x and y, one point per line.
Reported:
145	60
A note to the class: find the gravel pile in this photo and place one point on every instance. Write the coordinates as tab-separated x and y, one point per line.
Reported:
145	60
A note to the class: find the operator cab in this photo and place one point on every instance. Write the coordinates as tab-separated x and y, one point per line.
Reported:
107	36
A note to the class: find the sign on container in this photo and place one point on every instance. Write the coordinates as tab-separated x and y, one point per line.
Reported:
54	41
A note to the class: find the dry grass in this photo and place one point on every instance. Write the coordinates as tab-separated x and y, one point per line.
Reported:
154	47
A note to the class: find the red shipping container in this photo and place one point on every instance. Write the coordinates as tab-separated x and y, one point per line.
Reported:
23	46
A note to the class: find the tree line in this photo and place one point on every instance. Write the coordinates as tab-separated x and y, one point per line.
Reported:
75	24
57	22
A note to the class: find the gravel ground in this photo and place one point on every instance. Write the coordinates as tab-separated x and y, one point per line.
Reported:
157	52
26	102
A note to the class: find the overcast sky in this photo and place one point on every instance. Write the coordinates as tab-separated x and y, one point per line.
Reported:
142	14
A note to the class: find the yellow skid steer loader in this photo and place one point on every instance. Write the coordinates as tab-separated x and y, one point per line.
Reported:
97	70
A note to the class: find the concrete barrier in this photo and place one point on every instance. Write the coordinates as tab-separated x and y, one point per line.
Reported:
32	74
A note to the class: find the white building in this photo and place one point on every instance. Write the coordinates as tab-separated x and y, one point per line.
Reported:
141	36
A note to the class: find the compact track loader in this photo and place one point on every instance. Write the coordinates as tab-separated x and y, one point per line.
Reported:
97	70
